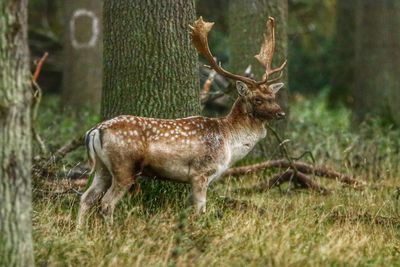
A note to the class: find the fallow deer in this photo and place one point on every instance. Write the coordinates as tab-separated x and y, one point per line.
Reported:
195	150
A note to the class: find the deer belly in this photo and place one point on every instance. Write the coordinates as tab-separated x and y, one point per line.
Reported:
173	163
170	170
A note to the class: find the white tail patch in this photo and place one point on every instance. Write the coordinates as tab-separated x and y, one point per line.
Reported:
89	137
95	150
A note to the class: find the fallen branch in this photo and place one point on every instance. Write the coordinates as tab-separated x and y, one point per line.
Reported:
290	176
305	168
295	171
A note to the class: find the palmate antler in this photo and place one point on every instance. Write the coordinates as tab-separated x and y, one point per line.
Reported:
267	53
199	32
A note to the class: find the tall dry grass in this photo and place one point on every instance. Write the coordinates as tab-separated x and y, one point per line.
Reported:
283	227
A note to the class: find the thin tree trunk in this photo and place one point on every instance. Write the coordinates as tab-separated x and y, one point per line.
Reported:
344	53
15	137
247	21
377	67
83	53
150	65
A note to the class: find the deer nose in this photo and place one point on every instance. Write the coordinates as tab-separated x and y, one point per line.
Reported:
280	115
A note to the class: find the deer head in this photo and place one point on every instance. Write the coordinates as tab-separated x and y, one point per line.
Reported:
259	96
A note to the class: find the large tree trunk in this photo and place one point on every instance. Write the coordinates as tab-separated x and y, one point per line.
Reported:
377	66
15	137
83	53
247	21
150	65
344	53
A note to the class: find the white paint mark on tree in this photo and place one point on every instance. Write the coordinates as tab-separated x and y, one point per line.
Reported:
95	29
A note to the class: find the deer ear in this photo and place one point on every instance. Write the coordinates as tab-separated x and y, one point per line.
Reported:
275	87
242	88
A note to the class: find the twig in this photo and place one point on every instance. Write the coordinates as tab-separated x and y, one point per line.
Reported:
39	66
67	148
44	165
282	146
37	98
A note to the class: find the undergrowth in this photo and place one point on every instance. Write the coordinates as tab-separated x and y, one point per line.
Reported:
282	227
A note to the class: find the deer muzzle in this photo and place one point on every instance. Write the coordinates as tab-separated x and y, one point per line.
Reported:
280	115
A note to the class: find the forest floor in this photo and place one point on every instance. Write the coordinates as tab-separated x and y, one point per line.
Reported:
285	226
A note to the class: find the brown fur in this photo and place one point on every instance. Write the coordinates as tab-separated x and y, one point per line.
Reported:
195	150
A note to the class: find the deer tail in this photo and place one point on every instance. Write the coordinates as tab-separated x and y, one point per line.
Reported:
90	137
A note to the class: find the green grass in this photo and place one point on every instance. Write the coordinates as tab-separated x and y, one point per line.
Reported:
283	227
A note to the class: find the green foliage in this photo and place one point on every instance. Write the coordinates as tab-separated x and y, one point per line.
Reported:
371	150
311	27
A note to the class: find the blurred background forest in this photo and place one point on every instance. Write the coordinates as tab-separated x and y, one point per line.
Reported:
345	48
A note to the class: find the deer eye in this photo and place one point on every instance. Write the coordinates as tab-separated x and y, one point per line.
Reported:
258	101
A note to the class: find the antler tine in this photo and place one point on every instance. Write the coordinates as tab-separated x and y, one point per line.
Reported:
267	51
199	32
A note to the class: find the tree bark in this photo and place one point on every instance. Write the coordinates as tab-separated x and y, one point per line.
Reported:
150	65
83	53
247	21
377	66
15	137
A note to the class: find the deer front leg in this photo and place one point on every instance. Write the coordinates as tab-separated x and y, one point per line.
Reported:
199	193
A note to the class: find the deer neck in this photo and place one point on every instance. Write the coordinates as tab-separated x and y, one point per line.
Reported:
244	129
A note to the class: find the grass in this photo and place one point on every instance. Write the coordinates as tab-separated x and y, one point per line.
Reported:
283	227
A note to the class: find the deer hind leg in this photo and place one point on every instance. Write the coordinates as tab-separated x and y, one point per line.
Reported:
199	193
101	182
122	180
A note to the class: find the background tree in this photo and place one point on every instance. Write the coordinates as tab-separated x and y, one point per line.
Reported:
377	65
15	137
311	27
343	52
150	64
83	51
247	21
